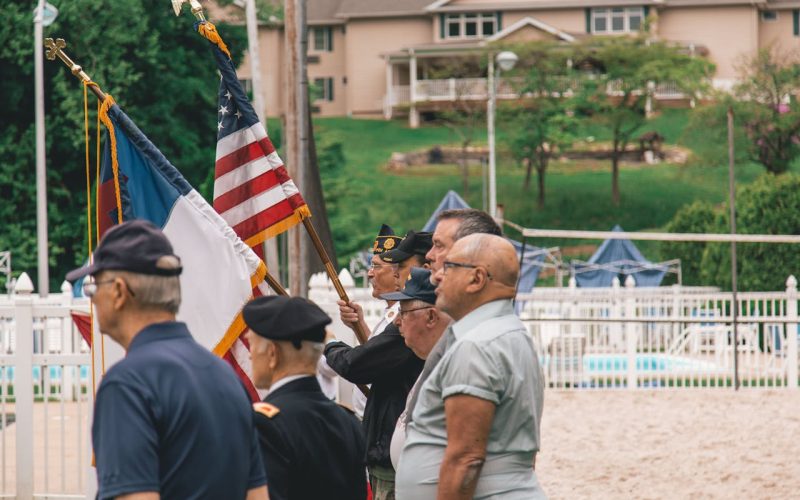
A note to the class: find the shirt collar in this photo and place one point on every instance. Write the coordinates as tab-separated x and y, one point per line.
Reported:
159	331
477	316
285	380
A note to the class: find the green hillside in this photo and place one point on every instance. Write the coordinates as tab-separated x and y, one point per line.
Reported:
367	193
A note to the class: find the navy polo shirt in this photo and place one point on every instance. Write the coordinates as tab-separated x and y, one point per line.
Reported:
173	418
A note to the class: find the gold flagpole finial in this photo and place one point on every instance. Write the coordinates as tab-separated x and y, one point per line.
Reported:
55	49
197	9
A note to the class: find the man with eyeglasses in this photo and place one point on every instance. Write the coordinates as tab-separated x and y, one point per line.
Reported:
475	427
155	432
421	325
384	361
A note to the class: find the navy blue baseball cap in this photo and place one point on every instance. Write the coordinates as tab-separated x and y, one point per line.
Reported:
415	243
418	287
137	246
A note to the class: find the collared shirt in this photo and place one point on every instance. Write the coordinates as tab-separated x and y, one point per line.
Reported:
493	359
166	408
283	381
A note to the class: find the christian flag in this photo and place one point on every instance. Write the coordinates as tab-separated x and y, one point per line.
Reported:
219	269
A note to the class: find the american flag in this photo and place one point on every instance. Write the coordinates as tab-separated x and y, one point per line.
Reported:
252	189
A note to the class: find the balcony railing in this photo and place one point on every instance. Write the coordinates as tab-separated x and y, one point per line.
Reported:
455	89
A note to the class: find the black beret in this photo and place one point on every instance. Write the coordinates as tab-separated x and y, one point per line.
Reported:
277	317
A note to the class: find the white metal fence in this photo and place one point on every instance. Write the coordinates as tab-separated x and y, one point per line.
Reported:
628	337
45	396
587	339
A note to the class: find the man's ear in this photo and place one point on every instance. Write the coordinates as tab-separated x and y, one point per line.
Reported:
119	293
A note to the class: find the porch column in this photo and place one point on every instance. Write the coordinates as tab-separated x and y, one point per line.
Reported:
413	114
389	104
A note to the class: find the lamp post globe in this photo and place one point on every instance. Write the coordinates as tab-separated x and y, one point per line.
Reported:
506	60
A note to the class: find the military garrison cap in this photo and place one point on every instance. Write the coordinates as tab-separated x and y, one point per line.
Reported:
292	319
413	244
385	241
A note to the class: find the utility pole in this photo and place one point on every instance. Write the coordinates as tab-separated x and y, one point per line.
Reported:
253	50
41	168
296	132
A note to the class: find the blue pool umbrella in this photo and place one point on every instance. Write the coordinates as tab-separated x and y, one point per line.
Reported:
450	201
612	260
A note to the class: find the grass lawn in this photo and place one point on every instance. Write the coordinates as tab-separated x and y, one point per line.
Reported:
578	194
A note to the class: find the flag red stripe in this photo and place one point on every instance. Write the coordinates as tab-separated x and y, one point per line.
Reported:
263	220
241	156
248	385
239	194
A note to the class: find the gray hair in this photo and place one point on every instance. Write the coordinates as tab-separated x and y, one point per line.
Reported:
307	354
154	292
472	221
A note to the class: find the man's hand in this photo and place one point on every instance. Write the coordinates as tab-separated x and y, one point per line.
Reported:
350	313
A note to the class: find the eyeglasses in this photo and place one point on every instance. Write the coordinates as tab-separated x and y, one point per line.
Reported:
90	287
402	312
450	264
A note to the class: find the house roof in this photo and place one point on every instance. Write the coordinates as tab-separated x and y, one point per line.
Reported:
323	11
530	21
379	8
455	6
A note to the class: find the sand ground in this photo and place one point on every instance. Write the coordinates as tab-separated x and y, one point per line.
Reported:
697	444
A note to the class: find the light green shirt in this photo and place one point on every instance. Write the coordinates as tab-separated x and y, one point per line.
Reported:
492	358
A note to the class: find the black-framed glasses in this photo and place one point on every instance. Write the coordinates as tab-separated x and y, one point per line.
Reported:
402	312
90	287
448	264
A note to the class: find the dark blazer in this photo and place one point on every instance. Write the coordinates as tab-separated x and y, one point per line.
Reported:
312	448
392	368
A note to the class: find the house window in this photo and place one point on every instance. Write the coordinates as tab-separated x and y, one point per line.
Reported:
617	19
769	15
322	39
324	88
459	26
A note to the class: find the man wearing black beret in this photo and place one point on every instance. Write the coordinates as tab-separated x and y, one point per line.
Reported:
312	448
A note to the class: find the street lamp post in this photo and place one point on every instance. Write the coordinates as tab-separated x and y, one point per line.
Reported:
505	62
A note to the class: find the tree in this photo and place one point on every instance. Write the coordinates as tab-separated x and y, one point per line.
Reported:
766	206
699	217
767	116
544	123
624	72
465	115
154	64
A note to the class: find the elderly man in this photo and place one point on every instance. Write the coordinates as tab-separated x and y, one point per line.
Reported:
312	448
421	324
384	361
475	429
171	420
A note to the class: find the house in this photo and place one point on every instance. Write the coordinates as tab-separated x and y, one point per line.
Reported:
375	57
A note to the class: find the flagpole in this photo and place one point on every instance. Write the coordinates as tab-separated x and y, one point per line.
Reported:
55	49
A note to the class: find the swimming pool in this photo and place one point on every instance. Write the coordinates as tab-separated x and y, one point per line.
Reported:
55	373
649	363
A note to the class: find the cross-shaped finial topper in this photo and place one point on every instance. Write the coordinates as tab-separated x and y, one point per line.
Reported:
54	47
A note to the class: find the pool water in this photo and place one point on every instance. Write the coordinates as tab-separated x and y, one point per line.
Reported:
55	373
654	363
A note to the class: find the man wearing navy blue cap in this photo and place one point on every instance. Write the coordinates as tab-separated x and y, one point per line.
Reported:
156	431
312	447
421	324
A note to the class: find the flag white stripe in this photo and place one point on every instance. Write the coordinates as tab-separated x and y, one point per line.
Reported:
253	206
242	357
245	173
240	139
290	189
